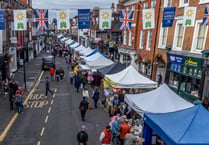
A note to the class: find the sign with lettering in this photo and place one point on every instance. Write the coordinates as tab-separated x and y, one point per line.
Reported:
194	62
175	59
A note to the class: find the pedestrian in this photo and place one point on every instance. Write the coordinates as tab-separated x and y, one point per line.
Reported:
115	130
57	75
84	78
159	79
11	99
131	139
105	136
19	90
18	102
77	82
83	108
71	73
61	73
95	96
124	129
47	85
51	72
82	136
85	94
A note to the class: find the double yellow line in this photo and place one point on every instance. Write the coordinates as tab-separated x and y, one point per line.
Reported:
4	133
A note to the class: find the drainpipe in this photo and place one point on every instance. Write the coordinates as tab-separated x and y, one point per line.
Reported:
156	34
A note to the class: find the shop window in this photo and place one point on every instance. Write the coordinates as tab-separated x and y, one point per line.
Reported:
163	37
174	80
149	40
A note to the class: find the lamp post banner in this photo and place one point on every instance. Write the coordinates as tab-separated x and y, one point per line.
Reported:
84	19
2	20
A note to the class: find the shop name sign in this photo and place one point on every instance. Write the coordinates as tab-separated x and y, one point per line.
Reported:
176	59
195	62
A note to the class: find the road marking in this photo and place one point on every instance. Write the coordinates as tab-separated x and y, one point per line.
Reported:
38	143
49	110
54	96
4	133
55	90
42	131
52	101
46	120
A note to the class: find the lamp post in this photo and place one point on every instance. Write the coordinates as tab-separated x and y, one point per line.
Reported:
24	73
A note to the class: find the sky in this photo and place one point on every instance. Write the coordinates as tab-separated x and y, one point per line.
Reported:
71	5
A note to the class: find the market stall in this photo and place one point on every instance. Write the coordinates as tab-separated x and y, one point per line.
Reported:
185	127
128	78
111	69
160	100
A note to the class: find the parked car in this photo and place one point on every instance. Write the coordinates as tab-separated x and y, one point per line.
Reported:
47	62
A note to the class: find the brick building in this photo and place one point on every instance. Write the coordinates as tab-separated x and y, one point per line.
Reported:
16	44
151	51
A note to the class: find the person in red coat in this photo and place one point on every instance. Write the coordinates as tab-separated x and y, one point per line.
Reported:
105	136
124	129
51	72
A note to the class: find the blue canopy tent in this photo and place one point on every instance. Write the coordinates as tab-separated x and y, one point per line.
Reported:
96	51
185	127
111	69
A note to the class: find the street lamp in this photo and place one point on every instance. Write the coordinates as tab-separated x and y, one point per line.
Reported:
24	73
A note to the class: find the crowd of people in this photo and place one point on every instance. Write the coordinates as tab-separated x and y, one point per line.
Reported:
15	94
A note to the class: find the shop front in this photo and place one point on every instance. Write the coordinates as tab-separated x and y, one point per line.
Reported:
185	76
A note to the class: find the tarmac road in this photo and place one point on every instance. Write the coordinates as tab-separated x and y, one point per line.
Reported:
55	119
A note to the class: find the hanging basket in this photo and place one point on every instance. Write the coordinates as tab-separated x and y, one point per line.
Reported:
157	57
146	61
138	60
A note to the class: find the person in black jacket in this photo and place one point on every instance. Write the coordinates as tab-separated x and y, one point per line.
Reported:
82	136
83	107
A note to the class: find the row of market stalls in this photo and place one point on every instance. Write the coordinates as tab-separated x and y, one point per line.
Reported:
175	120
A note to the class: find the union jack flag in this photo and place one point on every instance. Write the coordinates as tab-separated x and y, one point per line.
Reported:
125	19
41	18
206	16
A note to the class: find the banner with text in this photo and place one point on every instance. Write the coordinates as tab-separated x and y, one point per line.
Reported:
148	18
105	19
189	16
20	20
2	20
84	18
63	20
168	16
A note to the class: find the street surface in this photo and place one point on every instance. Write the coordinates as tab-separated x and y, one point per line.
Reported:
55	119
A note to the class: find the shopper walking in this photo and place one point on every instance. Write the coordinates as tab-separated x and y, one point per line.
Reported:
47	85
51	72
85	94
83	108
82	136
95	96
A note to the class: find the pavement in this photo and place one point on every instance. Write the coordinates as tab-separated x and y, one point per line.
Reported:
32	70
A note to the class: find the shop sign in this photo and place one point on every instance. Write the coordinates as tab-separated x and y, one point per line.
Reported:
194	62
176	59
13	40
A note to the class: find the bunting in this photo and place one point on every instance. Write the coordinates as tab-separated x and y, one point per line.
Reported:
105	19
126	17
148	17
20	21
63	19
206	16
189	16
41	19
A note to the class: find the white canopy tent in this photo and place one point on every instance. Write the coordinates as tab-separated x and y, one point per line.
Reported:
68	41
74	45
99	62
84	67
79	48
85	51
59	36
92	57
129	78
88	52
160	100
